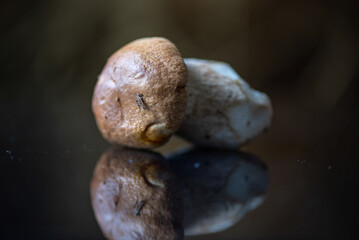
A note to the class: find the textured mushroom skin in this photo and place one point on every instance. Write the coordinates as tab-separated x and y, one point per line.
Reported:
135	196
141	95
222	108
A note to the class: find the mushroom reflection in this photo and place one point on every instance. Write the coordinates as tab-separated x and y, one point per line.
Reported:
135	196
219	187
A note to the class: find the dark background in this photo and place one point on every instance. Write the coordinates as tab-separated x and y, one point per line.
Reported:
303	54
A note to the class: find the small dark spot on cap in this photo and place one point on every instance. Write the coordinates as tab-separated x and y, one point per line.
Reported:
116	200
246	178
248	123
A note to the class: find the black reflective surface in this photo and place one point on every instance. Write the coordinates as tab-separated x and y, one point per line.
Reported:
303	54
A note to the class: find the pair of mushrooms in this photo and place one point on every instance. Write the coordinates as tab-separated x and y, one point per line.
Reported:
147	92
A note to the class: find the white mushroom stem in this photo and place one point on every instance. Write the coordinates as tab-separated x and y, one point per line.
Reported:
223	110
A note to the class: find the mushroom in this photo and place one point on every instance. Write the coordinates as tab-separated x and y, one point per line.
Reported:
140	97
136	196
223	111
219	187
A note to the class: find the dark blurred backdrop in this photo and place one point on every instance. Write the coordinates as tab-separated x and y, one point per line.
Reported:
302	53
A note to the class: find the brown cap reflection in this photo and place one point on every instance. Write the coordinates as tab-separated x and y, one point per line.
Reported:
136	196
219	187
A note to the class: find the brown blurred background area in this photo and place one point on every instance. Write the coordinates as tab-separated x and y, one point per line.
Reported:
303	53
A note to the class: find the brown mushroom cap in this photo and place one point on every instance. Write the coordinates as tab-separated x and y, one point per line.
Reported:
141	95
219	187
135	196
